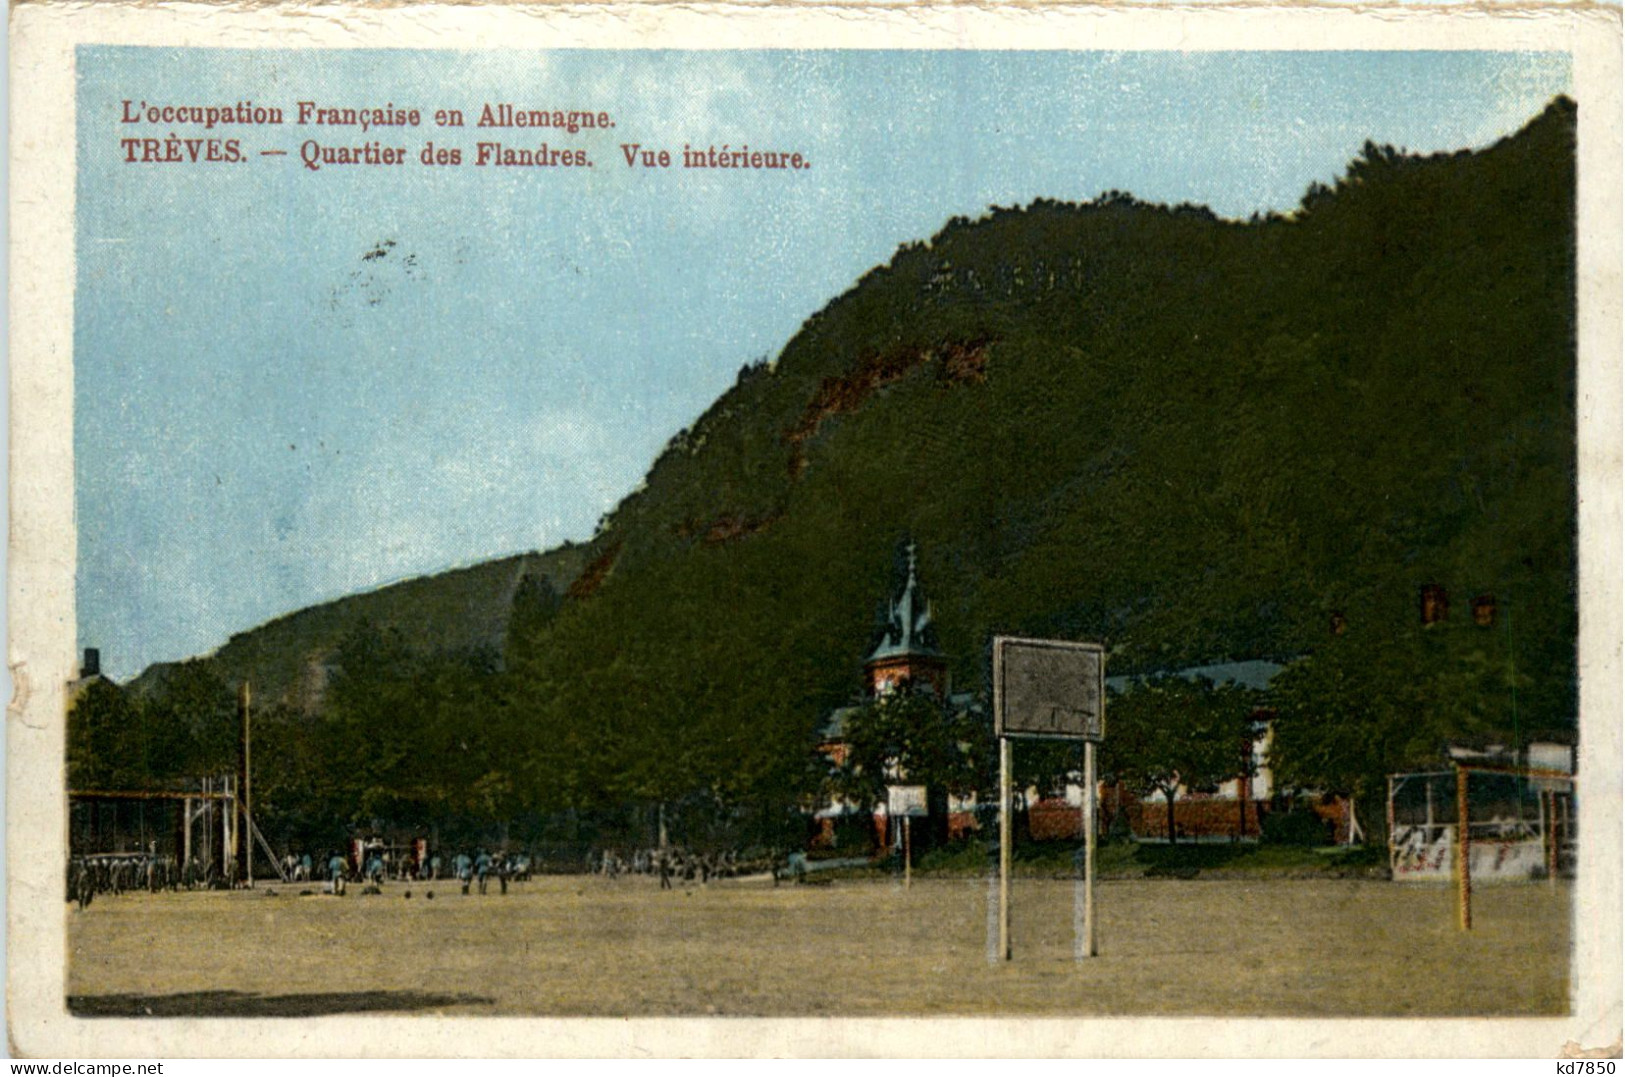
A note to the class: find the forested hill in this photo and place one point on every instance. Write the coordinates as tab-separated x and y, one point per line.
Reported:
465	610
1192	438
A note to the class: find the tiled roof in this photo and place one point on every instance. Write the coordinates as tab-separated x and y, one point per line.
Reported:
1251	673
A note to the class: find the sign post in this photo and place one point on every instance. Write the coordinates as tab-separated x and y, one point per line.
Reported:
245	809
906	802
1004	847
1464	852
1046	689
908	856
1087	943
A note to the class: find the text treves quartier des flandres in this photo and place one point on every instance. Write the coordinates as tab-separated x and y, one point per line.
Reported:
370	120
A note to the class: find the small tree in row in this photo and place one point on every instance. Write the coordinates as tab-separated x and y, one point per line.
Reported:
1170	733
1167	734
910	736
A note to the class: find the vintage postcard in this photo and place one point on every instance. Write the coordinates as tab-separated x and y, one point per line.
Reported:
1050	523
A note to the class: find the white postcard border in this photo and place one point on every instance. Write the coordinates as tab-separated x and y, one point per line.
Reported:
43	655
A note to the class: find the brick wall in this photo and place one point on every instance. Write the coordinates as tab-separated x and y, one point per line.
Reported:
1194	817
1205	817
1056	820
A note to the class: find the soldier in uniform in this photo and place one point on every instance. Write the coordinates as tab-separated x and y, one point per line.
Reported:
80	887
335	873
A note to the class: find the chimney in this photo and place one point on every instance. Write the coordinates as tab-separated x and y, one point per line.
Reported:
92	666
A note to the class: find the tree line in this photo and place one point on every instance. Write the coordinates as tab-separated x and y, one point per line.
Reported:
468	747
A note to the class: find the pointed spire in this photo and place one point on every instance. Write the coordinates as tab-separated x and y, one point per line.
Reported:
908	629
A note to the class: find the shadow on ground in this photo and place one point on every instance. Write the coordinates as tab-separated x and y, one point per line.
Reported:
245	1004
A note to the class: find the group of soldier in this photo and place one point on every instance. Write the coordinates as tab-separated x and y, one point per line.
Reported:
118	873
672	863
379	865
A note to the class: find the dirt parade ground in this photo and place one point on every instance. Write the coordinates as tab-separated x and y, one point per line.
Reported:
578	945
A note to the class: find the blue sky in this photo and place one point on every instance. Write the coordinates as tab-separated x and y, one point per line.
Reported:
264	419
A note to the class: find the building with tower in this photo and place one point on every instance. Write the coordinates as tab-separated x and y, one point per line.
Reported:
908	650
907	653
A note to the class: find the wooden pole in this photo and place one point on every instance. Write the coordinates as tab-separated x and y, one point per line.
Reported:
245	843
1464	873
228	850
908	855
212	809
1089	812
1427	787
1548	801
270	854
1560	825
206	831
1004	847
145	794
1393	859
1521	772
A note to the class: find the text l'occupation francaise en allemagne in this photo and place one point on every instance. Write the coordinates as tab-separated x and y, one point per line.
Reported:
495	134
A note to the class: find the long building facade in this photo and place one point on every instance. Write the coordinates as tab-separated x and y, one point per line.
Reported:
908	654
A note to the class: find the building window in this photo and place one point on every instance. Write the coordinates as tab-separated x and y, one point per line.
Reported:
1435	604
1484	611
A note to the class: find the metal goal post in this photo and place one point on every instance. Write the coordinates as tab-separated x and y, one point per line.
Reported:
1481	823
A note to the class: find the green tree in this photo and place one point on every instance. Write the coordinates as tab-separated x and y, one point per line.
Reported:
1171	732
535	604
1370	704
105	742
193	723
909	736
